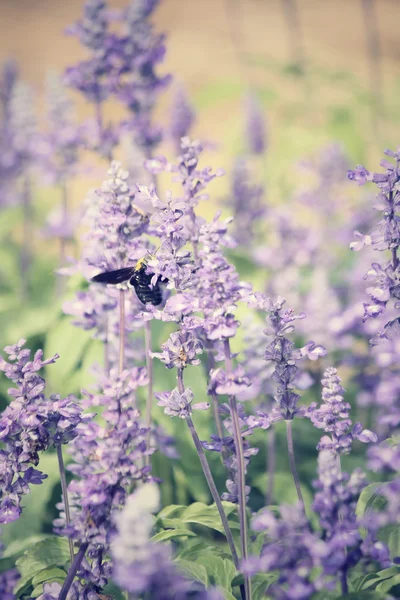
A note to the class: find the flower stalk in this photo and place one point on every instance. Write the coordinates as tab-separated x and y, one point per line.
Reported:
149	400
208	475
73	571
241	470
64	489
271	464
293	468
121	330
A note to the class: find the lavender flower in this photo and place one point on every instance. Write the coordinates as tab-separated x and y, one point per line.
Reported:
384	236
114	240
283	354
107	459
179	404
180	351
335	503
30	424
333	417
292	550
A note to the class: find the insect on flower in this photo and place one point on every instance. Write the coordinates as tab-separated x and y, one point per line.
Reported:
138	278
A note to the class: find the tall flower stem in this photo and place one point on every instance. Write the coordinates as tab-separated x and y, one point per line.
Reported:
64	489
271	463
121	330
241	469
106	348
209	478
214	399
289	437
73	571
149	400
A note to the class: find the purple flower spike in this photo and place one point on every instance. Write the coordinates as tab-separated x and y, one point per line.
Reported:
385	236
333	416
31	423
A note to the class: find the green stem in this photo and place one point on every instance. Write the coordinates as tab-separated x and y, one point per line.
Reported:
121	330
149	400
289	437
209	478
64	489
271	460
73	571
241	469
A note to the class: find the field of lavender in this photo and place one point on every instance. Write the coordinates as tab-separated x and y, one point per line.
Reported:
198	386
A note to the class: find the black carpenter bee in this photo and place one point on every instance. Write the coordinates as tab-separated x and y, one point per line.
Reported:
138	278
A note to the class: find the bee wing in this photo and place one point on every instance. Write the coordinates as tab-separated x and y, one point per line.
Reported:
118	276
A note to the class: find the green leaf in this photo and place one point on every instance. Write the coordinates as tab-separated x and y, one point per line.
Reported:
366	581
169	534
171	524
198	548
48	575
389	578
18	547
259	585
394	541
192	570
208	516
220	571
170	511
371	500
364	596
50	552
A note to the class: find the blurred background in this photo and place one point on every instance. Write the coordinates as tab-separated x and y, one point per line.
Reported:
347	52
